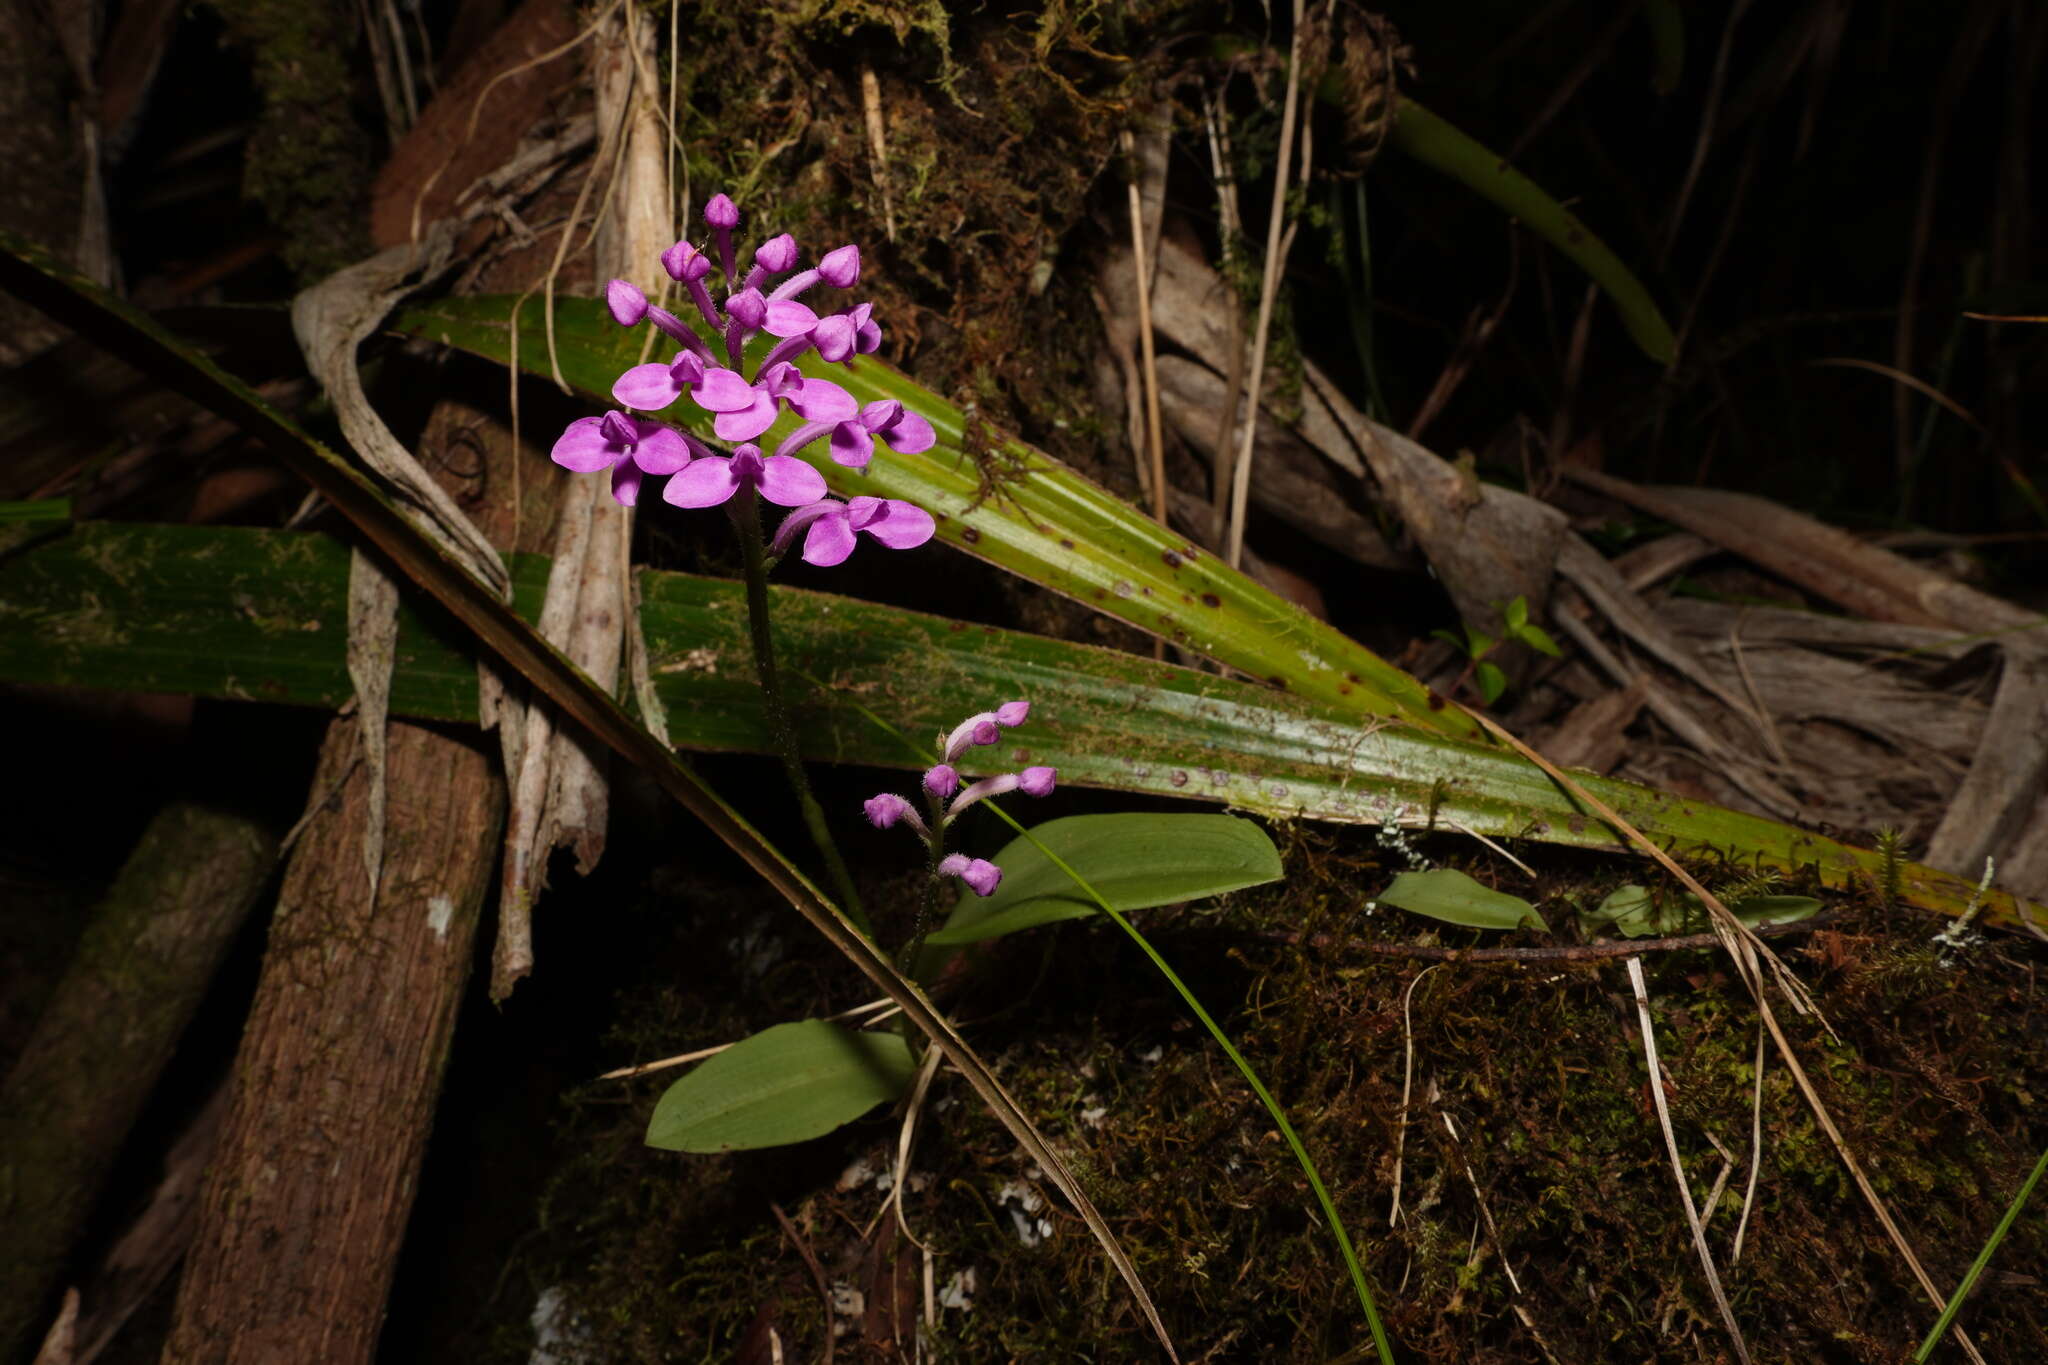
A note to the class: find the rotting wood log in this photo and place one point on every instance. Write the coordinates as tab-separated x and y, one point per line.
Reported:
307	1199
143	965
340	1068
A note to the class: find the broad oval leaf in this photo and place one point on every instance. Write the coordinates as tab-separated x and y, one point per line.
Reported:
1449	895
785	1084
1134	859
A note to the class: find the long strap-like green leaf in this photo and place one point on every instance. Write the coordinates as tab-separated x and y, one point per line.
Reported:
232	612
32	275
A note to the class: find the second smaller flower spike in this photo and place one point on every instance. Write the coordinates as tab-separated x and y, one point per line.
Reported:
980	875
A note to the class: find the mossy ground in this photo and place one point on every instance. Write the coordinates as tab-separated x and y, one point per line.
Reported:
1557	1171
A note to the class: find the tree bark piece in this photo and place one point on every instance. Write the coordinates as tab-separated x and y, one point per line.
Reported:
334	1091
145	962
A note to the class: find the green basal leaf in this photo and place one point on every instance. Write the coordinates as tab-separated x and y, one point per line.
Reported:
1134	859
1005	502
1757	910
786	1084
1492	682
1449	895
1637	912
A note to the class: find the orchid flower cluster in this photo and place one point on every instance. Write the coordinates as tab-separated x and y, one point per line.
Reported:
946	797
633	445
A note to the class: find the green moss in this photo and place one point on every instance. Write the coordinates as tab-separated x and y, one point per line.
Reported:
1538	1066
308	160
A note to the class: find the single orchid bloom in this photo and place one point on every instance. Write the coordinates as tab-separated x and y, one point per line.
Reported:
980	875
721	215
829	526
629	307
985	728
714	479
1036	781
746	410
839	268
942	780
628	446
885	810
688	266
653	387
775	256
853	440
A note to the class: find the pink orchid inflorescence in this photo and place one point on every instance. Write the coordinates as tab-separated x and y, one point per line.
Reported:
633	446
947	794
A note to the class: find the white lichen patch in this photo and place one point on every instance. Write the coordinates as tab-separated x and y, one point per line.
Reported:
1025	1206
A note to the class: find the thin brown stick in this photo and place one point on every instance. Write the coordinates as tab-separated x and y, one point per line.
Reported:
1155	440
1562	952
803	1249
1269	288
1692	1214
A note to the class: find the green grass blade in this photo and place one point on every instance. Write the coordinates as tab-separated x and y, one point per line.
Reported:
1251	1077
260	615
1976	1270
1002	501
1429	139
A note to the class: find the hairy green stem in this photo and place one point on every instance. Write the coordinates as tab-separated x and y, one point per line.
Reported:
746	520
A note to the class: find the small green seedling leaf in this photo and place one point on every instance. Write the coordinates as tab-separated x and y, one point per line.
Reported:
1135	859
1538	639
1451	638
1516	614
1492	682
1633	912
1449	895
1478	643
785	1084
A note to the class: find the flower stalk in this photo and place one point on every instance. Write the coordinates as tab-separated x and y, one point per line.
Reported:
746	518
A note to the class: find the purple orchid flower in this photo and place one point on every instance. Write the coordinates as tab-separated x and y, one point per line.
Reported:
628	307
942	781
980	875
653	387
714	479
854	433
742	408
746	410
829	526
628	446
